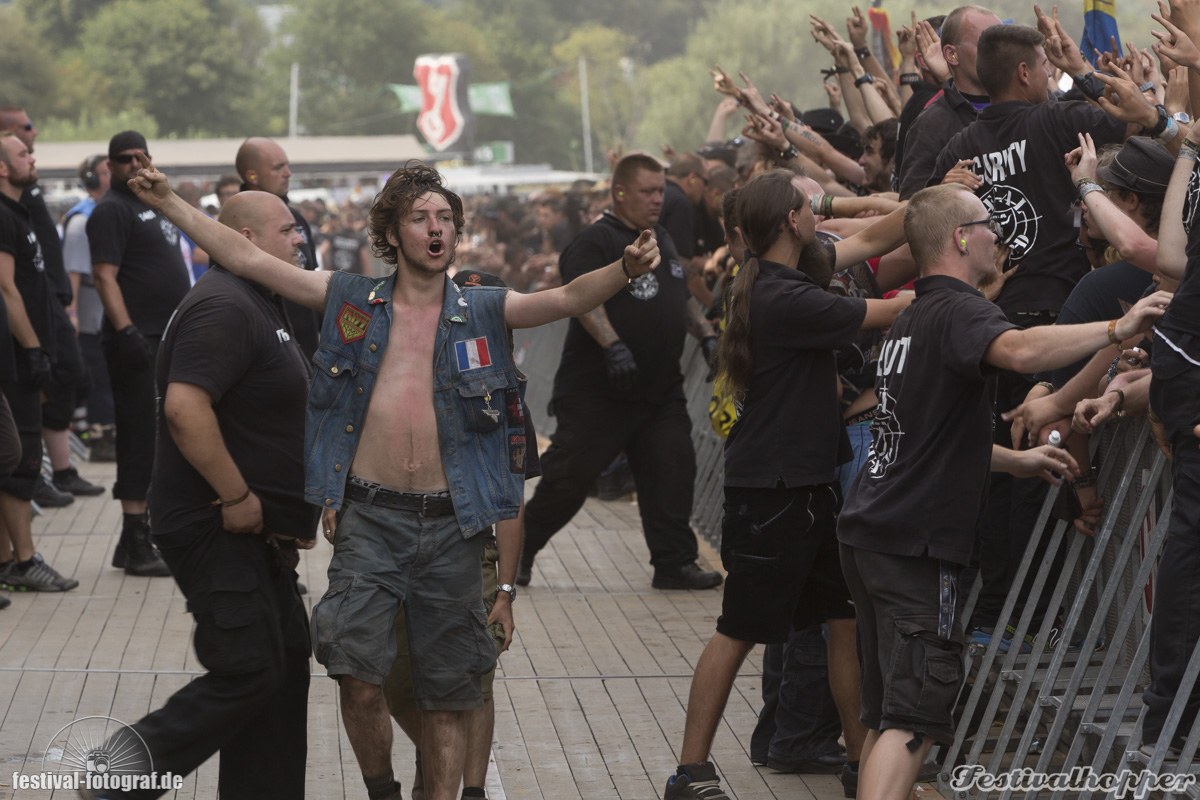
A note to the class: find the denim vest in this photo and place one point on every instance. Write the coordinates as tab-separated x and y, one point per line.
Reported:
480	415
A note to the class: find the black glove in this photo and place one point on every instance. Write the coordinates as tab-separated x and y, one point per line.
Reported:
708	346
39	365
133	353
622	369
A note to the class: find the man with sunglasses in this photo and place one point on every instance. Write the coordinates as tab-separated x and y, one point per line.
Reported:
932	447
140	276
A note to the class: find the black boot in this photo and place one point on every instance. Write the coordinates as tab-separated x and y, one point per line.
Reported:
138	555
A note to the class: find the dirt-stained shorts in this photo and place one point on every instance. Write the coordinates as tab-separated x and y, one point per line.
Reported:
398	688
910	638
385	561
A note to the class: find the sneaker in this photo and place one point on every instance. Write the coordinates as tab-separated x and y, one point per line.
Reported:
69	481
689	576
47	496
524	570
4	601
849	777
982	637
695	782
37	577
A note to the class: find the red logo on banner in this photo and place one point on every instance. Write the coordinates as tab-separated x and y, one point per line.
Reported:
441	120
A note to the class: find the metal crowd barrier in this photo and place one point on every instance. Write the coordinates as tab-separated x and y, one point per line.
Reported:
1074	701
1072	705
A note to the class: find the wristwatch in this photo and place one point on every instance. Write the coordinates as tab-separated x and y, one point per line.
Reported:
1182	116
507	588
790	153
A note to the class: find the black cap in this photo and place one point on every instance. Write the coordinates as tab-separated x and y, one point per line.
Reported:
473	277
1143	166
822	120
127	140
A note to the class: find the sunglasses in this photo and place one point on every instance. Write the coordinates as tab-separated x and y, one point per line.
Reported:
28	126
991	224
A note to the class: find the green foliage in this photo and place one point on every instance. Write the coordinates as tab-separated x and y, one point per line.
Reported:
60	21
177	60
613	95
26	64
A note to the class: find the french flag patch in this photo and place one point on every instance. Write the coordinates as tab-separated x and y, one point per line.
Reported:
472	354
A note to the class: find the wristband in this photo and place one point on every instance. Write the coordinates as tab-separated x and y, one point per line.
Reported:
1086	186
625	269
790	153
866	77
863	53
1148	86
1047	385
1086	480
840	70
910	78
1112	333
233	502
814	204
827	206
1189	150
1169	133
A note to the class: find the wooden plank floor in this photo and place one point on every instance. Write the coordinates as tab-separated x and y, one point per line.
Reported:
589	701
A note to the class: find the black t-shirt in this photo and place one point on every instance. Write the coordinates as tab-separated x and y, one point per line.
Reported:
789	425
1181	323
47	233
144	245
947	113
1018	150
650	316
1103	294
229	339
18	237
922	487
923	94
678	217
345	250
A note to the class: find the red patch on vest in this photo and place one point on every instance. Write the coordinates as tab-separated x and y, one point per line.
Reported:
352	323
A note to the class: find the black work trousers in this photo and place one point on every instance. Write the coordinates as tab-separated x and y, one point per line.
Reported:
252	637
657	440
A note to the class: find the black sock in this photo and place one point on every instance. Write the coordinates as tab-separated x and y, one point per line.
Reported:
381	787
473	791
62	474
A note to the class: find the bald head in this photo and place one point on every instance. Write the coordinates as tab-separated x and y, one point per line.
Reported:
264	166
265	220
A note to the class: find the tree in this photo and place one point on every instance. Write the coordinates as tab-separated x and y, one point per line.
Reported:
613	95
348	50
25	62
60	21
188	67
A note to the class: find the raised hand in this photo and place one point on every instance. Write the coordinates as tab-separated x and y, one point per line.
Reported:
1082	160
642	256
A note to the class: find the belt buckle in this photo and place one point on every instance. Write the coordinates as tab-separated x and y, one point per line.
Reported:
424	505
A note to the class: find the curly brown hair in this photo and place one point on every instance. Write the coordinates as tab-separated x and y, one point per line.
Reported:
396	199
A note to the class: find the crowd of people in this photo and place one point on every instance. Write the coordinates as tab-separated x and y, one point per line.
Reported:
903	298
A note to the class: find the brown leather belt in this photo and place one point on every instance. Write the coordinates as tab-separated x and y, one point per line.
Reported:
426	505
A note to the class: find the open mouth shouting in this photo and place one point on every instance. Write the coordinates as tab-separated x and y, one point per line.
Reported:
436	247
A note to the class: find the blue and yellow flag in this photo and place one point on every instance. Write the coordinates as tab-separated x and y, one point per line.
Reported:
1099	28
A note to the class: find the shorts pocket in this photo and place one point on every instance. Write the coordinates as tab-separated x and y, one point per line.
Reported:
328	616
924	676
